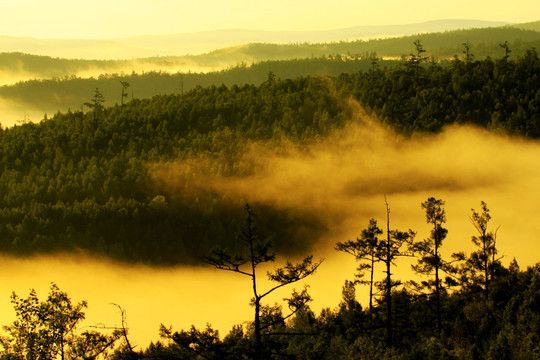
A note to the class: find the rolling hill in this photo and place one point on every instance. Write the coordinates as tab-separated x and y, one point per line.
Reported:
202	42
40	84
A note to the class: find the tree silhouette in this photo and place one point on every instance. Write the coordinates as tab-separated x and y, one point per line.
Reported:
125	86
468	54
481	264
47	329
366	250
258	252
391	249
506	46
417	58
97	104
430	261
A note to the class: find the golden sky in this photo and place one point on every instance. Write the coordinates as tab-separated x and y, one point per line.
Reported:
122	18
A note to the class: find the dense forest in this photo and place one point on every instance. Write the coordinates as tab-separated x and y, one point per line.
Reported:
55	84
441	45
83	181
72	92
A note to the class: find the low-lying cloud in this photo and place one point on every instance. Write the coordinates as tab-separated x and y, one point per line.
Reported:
341	180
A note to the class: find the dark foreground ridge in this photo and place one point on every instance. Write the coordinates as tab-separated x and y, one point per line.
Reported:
466	307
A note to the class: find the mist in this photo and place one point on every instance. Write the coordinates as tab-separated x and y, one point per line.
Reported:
342	181
15	112
139	66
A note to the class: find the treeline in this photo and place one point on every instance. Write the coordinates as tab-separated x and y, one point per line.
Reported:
422	95
71	91
467	306
67	90
48	67
82	180
442	45
415	94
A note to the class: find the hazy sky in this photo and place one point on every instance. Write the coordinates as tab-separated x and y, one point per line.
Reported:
119	18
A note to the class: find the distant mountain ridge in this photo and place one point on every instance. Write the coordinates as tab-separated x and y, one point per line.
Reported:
535	26
202	42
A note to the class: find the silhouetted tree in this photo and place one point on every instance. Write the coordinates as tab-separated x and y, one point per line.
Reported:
258	252
417	58
428	250
507	50
481	264
47	329
367	251
125	86
468	54
391	249
97	104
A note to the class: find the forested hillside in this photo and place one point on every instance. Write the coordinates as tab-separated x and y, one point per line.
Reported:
82	180
54	84
441	45
72	92
85	180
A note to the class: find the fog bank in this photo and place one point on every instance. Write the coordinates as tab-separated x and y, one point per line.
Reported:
342	181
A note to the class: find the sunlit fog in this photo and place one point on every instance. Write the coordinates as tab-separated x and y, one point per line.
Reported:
342	180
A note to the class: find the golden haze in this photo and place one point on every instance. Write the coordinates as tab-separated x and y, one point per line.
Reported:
341	180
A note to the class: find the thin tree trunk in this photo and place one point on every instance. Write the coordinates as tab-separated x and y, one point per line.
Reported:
255	294
257	328
486	265
438	290
388	280
371	288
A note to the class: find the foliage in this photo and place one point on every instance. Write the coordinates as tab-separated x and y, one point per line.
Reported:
342	332
73	183
430	261
48	330
506	325
366	249
257	251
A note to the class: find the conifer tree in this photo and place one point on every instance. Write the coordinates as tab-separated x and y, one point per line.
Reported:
97	104
259	252
479	268
391	249
430	261
417	58
366	250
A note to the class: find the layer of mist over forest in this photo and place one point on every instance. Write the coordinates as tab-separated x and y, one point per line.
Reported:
341	180
325	162
34	85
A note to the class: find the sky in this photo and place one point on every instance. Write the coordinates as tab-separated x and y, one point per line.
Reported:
123	18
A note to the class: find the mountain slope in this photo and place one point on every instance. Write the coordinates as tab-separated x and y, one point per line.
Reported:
440	45
535	26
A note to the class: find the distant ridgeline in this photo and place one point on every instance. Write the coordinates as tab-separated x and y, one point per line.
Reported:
60	84
83	180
